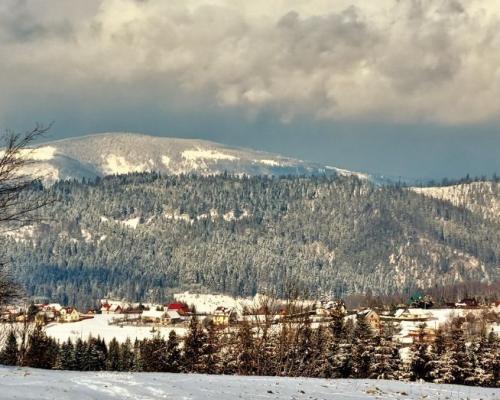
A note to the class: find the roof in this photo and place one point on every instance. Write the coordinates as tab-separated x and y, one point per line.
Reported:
366	312
177	306
153	313
223	310
172	314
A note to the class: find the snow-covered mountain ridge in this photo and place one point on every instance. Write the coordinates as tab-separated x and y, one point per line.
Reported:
122	153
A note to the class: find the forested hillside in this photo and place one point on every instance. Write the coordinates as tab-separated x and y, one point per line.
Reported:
142	235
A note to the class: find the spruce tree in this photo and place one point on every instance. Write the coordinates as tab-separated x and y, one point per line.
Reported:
486	369
79	355
42	351
113	359
420	360
454	366
10	354
386	359
338	362
319	364
305	351
193	344
126	356
173	353
244	349
91	356
67	356
210	360
154	354
362	348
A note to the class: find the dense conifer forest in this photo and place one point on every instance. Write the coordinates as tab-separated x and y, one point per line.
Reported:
142	236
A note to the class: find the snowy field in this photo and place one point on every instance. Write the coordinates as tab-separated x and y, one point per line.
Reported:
99	326
27	384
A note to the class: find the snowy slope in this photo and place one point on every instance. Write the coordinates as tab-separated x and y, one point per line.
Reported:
482	198
121	153
26	383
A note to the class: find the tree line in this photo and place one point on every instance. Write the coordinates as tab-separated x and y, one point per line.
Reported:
340	349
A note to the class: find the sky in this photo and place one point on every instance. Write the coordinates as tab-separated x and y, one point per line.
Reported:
403	88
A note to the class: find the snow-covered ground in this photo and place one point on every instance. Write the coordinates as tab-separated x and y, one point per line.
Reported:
26	383
99	326
207	303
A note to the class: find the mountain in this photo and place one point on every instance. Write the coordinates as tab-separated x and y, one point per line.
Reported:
122	153
143	236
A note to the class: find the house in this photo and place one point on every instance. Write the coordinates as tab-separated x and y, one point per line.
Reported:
427	335
153	315
467	303
156	315
328	308
181	308
54	307
69	314
223	316
113	308
11	313
173	316
371	317
404	314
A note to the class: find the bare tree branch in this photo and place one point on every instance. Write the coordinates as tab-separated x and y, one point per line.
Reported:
16	209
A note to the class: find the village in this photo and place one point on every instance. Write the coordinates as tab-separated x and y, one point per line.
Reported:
122	319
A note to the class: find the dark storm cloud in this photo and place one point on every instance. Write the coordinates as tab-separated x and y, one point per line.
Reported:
148	64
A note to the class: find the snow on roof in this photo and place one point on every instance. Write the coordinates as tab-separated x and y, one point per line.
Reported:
399	312
153	313
172	314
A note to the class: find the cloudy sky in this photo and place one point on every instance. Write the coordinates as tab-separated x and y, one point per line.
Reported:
399	87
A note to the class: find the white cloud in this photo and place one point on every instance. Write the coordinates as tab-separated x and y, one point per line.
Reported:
406	60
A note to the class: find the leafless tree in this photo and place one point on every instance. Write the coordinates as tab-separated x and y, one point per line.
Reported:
16	210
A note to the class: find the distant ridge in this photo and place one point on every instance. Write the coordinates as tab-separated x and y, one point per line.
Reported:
114	153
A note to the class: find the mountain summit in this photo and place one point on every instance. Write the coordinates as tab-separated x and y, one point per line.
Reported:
121	153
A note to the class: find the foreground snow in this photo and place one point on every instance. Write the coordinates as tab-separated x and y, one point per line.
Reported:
26	383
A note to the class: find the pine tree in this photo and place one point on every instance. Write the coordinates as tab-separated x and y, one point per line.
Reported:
420	360
386	359
305	351
339	362
66	359
42	351
79	356
91	356
193	343
126	356
154	354
486	368
319	364
362	348
210	359
244	349
173	353
454	366
137	356
10	353
113	359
